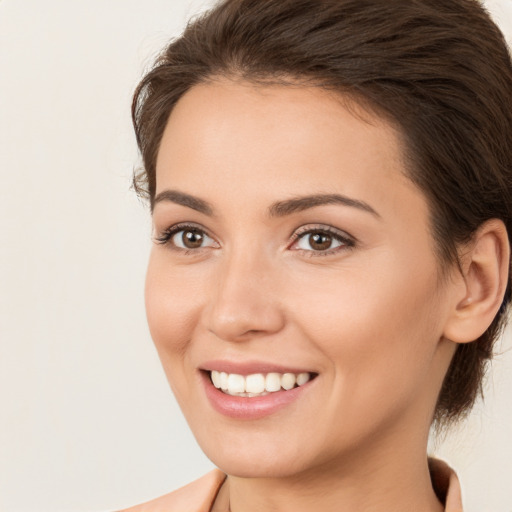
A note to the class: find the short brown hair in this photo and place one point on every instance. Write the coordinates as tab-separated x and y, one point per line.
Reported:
439	70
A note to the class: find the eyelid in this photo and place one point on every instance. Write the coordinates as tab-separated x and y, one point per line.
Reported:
165	236
348	241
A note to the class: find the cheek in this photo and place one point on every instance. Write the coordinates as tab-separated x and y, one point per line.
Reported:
379	330
172	304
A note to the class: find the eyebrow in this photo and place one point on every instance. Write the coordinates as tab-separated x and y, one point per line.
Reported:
298	204
183	199
278	209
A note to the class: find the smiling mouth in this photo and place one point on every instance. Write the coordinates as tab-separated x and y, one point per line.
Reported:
257	384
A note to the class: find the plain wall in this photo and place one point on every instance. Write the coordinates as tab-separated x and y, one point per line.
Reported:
87	422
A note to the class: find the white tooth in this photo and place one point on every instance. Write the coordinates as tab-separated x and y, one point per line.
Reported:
236	383
302	378
288	381
273	382
215	378
255	383
224	381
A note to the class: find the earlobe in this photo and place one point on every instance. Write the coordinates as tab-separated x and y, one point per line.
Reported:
485	268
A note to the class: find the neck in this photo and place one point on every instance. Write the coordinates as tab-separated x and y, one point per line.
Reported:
382	480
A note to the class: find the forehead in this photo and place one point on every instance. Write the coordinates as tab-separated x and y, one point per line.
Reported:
247	141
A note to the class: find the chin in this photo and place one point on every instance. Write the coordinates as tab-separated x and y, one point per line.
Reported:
256	457
256	467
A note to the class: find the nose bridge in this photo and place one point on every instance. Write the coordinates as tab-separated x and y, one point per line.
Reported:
244	301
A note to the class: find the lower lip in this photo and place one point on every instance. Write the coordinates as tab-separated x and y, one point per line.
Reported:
245	408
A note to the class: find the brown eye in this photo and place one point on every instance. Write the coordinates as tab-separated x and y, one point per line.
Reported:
192	239
187	238
320	241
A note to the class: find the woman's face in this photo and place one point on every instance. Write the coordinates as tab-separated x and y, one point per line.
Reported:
289	241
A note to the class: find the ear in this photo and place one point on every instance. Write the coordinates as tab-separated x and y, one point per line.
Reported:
478	297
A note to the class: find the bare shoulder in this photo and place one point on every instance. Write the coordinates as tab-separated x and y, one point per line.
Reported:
197	496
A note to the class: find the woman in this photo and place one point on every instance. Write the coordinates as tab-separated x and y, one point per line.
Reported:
330	187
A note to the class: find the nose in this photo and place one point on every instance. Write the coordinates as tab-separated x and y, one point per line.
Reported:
244	299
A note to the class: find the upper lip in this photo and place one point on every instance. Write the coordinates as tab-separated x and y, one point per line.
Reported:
250	367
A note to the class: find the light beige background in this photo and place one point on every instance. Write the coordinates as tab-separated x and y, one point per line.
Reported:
87	422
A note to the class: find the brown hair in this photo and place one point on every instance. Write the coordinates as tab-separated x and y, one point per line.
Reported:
439	70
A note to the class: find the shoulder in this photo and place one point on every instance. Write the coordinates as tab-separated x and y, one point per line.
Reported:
194	497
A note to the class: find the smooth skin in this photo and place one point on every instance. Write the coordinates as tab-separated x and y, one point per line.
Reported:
368	310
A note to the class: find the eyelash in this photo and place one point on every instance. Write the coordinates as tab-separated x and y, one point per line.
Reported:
347	242
166	236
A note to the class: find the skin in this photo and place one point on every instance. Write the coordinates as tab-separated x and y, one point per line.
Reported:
369	316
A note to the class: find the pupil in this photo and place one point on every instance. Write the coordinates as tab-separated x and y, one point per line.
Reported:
192	239
320	241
